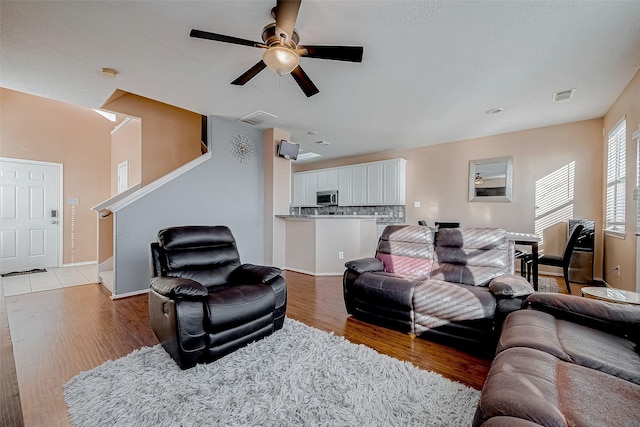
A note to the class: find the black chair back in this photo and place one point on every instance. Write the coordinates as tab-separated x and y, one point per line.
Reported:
206	254
571	244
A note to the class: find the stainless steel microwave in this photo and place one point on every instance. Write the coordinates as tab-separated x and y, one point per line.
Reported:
327	198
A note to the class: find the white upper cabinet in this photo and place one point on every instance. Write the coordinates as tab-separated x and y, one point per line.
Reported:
344	187
305	187
375	186
310	189
394	182
327	179
358	185
364	184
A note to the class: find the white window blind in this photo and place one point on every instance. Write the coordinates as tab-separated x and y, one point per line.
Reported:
616	172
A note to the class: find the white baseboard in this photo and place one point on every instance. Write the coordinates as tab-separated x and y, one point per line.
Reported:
77	264
295	270
130	294
313	274
106	265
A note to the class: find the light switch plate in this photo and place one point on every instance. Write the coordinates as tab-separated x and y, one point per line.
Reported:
416	204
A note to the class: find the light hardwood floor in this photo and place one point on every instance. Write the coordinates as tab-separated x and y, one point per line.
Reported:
59	333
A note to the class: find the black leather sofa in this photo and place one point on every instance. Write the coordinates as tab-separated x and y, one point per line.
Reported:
203	303
455	286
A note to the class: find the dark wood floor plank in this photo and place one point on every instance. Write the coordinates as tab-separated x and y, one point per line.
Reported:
63	332
319	302
59	333
10	407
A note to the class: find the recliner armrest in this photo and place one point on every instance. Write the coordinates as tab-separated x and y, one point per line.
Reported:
365	265
250	273
510	285
598	314
179	288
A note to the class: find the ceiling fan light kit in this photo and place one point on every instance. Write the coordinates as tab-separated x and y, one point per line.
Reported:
283	53
280	60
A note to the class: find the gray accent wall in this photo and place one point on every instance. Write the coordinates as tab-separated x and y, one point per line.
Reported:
220	191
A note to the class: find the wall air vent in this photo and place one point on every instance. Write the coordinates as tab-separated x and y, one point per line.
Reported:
561	96
257	118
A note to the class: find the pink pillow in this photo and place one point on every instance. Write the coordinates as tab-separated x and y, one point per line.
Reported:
406	265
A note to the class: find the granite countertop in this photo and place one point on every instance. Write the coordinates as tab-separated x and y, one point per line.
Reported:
329	216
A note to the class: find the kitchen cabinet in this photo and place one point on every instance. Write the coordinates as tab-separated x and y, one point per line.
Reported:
364	184
344	187
327	179
305	187
298	189
310	189
393	182
358	185
375	173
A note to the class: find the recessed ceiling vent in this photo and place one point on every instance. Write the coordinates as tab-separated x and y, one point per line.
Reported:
561	96
257	118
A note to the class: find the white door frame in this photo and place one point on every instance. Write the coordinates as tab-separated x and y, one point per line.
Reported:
60	167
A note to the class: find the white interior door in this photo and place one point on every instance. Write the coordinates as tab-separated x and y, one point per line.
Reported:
123	176
29	215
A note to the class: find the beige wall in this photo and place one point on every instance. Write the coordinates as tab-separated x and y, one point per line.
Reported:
623	251
35	128
126	145
170	135
105	239
277	196
437	177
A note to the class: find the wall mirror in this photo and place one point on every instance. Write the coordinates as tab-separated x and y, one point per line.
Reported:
491	180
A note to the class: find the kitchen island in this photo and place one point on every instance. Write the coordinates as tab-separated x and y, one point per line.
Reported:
320	244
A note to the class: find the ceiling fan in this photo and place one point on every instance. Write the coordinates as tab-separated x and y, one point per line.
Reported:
282	52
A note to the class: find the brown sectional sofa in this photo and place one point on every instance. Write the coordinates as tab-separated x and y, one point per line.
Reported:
455	286
565	361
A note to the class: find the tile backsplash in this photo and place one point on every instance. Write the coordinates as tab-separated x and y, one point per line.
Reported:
394	214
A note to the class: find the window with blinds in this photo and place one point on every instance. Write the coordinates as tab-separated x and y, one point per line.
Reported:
616	172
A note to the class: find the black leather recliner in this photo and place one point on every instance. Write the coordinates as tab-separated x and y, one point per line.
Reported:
203	303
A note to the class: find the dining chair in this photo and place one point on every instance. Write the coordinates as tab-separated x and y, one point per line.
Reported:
565	260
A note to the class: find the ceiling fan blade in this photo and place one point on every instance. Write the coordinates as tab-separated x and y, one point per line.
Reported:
286	15
222	38
304	82
251	73
337	53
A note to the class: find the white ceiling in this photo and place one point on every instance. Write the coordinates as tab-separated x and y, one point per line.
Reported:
430	69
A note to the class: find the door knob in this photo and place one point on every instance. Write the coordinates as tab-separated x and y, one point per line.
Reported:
54	221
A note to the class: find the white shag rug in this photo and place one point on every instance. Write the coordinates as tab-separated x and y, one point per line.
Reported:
298	376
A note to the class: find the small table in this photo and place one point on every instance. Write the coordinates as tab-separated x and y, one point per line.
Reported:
531	240
619	296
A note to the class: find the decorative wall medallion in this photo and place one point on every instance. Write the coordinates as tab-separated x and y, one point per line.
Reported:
242	148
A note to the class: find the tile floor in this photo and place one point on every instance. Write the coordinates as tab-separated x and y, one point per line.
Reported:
53	278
